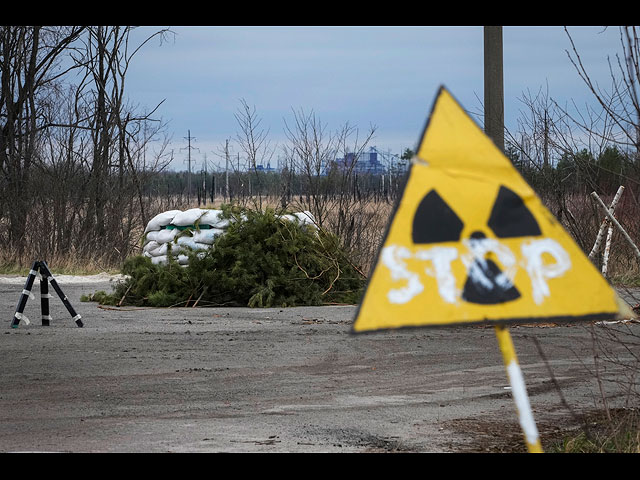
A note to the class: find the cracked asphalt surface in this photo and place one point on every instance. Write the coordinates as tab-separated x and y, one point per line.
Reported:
276	380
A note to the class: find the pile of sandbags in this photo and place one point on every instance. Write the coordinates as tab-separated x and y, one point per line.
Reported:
176	232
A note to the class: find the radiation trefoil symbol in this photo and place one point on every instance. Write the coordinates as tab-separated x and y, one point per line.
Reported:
470	242
435	222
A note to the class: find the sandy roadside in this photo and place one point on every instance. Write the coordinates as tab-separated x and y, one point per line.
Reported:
66	279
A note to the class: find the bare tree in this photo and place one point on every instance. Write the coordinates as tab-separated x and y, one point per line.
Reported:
620	103
29	70
107	58
327	163
73	150
567	151
311	152
254	143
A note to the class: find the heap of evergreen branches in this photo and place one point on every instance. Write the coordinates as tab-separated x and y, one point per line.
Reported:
260	261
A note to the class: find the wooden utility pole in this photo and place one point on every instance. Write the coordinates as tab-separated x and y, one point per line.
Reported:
493	86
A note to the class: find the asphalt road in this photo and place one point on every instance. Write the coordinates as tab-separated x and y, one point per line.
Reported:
280	380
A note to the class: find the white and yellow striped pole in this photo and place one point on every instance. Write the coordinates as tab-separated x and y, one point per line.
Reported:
518	390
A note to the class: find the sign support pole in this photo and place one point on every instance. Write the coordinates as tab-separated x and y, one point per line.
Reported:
494	128
518	390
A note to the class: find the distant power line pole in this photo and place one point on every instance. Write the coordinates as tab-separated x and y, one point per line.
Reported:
226	171
493	86
204	180
189	138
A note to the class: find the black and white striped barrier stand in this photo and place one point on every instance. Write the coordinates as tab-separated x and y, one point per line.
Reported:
44	299
41	270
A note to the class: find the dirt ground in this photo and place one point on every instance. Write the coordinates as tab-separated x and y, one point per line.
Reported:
281	380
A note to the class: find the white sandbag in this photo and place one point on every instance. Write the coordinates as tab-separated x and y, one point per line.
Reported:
192	244
161	220
164	249
186	241
159	260
188	217
306	218
159	251
289	218
214	218
181	248
301	218
150	246
151	236
186	248
183	260
222	223
207	236
166	235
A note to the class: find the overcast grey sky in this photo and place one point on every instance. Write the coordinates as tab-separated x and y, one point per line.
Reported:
382	76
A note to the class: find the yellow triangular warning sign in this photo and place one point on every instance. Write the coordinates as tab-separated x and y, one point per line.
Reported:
470	242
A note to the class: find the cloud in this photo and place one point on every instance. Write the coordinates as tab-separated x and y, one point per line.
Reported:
386	76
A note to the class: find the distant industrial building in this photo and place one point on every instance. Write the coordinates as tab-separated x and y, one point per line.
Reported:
372	162
268	168
367	162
